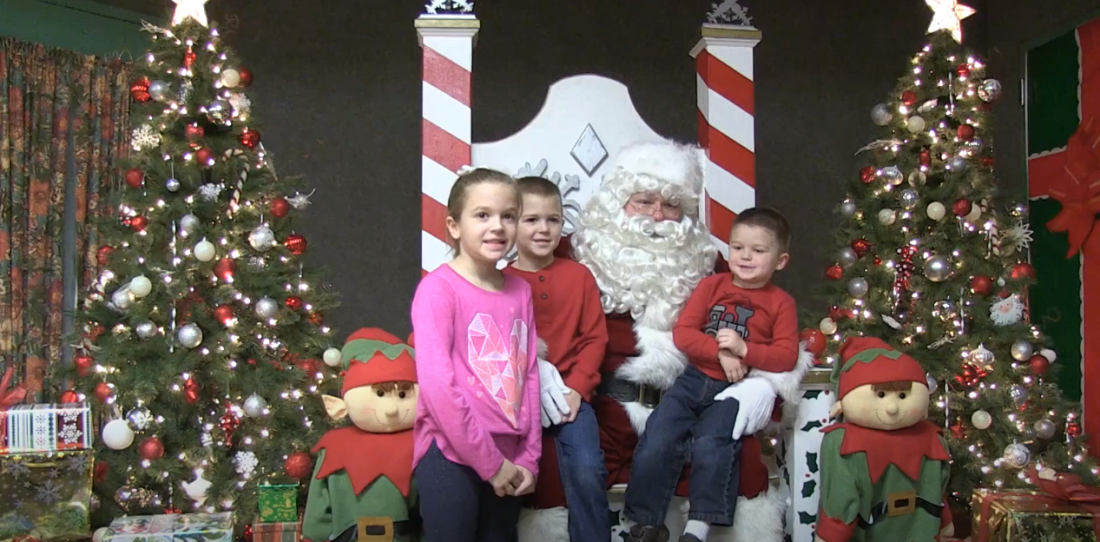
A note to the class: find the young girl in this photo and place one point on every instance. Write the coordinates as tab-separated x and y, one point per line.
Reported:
478	434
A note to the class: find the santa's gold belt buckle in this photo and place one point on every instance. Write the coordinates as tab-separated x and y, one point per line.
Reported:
375	530
901	503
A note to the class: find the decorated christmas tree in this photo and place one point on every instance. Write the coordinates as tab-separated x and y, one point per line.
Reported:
934	262
203	335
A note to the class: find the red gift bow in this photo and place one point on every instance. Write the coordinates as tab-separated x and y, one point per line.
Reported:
1064	488
1079	189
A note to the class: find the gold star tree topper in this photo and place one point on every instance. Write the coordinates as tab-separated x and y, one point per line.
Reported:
948	15
190	8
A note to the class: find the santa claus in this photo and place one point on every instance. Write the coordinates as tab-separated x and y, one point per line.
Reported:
641	237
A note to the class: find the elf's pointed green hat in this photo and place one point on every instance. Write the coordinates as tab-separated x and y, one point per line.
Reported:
372	355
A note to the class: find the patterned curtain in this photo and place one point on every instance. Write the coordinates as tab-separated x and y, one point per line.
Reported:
60	112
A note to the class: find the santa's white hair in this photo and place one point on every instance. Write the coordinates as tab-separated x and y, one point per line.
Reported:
642	266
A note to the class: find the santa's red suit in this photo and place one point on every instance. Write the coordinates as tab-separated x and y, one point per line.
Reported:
646	270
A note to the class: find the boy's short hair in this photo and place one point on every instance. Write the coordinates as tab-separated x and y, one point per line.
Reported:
538	186
769	219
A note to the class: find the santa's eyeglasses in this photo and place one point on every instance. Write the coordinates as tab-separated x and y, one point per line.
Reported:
644	204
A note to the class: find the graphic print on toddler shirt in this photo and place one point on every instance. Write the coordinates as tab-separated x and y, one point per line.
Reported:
499	363
733	316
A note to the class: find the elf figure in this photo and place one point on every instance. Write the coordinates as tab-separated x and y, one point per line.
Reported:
884	468
362	486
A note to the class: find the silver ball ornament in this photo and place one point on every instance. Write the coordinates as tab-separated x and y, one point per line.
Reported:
139	419
937	268
1018	210
846	257
857	287
219	110
262	238
190	335
124	495
123	298
266	308
188	224
173	185
117	435
917	178
915	124
145	329
1018	394
944	310
909	199
892	175
933	384
989	90
848	209
254	406
881	115
332	357
1045	428
887	217
957	164
1016	455
827	326
160	91
1022	350
981	419
93	505
975	143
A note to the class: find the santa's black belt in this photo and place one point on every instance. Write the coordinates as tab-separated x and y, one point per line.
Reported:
629	392
900	504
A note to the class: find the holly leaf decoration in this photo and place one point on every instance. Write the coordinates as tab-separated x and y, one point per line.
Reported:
808	489
811	394
806	519
811	425
811	462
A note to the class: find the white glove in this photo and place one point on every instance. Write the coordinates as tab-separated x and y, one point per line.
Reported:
757	399
552	391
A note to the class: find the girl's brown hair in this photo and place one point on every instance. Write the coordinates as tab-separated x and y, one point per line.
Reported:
456	202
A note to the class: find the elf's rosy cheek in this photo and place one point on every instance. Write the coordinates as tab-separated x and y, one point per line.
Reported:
368	411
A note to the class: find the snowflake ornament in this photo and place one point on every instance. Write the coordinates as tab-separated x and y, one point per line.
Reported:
729	12
440	7
246	463
300	201
144	137
185	90
241	104
1016	238
1007	311
211	191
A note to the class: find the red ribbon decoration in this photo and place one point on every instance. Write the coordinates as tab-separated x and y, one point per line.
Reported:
1079	189
1062	490
8	399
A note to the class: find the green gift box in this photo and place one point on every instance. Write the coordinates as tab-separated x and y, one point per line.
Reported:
45	495
278	502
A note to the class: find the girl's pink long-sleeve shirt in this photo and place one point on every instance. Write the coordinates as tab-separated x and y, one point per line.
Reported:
477	369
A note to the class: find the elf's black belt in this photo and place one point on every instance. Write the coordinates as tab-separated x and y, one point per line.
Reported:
900	504
400	528
629	392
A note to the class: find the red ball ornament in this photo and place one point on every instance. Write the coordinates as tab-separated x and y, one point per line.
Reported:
204	156
139	90
191	391
981	285
295	243
909	98
925	158
867	174
151	448
224	314
189	58
247	533
138	223
965	132
861	247
103	391
193	132
987	161
103	254
1073	429
1023	270
100	472
1004	293
83	364
229	424
246	76
298	465
961	207
963	70
1039	364
308	366
317	318
814	339
877	260
69	396
834	272
225	269
134	177
279	207
250	138
294	302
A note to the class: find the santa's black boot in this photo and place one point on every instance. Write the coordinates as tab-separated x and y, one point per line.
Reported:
657	533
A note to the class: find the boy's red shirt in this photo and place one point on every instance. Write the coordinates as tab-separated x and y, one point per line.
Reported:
570	318
765	318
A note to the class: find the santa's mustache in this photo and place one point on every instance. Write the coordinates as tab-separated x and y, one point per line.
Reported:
646	226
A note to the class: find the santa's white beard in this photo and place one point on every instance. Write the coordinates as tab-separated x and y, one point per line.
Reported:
642	266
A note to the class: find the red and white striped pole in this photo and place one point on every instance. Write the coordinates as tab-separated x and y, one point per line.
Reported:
448	43
723	67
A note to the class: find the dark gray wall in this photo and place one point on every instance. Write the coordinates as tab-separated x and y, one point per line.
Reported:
337	83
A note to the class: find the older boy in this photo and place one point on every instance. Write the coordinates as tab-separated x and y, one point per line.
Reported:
570	320
733	322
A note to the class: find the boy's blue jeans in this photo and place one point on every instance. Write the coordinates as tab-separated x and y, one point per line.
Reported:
688	420
583	476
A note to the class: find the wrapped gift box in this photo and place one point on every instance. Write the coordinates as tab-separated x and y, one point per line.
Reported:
277	532
172	528
45	496
46	428
1013	516
278	502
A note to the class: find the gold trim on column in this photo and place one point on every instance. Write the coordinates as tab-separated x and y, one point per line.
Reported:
729	32
472	23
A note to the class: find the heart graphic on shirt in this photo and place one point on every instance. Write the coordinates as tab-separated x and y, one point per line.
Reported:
470	380
499	362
